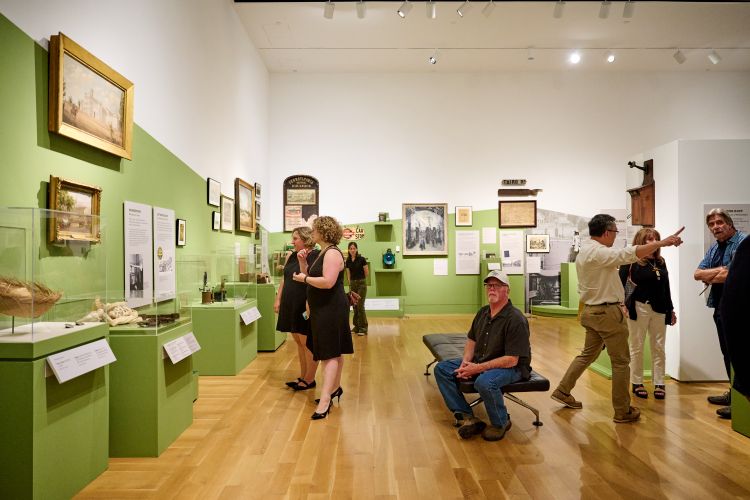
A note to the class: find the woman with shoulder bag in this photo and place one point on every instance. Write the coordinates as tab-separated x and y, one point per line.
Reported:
650	310
329	310
290	304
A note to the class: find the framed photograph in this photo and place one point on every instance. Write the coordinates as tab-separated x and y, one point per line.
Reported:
215	221
181	232
79	206
88	101
517	214
464	216
425	228
244	195
227	214
537	243
257	210
213	188
257	191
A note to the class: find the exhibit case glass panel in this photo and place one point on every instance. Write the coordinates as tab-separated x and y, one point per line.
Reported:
223	276
52	271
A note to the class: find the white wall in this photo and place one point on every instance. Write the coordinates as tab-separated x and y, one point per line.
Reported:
201	88
375	141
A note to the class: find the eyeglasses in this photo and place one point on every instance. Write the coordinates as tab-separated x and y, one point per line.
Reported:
493	286
613	230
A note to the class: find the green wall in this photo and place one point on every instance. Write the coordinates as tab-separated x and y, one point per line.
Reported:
29	154
423	292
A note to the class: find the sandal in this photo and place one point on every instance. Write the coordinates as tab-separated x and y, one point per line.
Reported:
640	391
294	383
659	392
302	385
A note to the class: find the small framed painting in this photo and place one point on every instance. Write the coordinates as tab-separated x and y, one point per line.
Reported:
257	210
257	190
464	216
181	232
214	192
227	214
215	221
537	243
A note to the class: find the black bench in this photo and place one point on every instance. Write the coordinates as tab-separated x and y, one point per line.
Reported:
451	345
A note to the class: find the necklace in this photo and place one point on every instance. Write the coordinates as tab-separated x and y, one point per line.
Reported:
656	269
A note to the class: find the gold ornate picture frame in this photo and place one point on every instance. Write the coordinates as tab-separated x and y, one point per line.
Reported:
77	207
244	198
88	101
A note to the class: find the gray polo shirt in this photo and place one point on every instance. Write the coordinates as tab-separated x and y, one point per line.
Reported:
507	334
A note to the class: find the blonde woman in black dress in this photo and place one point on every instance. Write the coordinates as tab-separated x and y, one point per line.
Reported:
290	305
329	310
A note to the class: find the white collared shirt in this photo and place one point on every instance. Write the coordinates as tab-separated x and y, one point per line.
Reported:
597	266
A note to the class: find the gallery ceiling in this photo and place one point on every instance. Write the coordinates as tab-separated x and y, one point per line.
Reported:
515	36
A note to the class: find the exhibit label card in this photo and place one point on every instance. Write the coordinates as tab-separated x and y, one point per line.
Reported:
250	315
511	251
139	268
67	365
382	304
467	252
164	254
440	267
181	347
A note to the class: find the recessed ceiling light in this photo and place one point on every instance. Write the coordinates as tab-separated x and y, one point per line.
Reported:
574	58
611	57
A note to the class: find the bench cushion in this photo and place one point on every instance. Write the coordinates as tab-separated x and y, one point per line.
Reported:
451	345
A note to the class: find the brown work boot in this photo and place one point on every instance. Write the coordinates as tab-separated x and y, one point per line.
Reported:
631	416
471	427
566	399
495	433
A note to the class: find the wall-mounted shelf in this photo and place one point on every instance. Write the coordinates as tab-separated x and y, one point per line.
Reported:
383	231
389	282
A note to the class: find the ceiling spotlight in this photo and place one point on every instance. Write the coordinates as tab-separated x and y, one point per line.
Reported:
574	58
714	57
679	56
431	9
604	9
487	10
611	57
627	11
464	8
328	9
361	9
529	54
433	58
558	12
404	9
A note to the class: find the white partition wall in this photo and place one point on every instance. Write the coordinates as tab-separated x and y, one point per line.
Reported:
689	174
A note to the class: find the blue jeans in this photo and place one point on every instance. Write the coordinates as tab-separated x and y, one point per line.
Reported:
489	385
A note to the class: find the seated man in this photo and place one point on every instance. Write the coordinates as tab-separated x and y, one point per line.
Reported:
497	353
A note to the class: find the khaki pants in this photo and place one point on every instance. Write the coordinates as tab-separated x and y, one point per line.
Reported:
360	317
605	325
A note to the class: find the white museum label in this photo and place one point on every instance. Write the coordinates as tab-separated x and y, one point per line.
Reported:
67	365
181	347
252	314
381	304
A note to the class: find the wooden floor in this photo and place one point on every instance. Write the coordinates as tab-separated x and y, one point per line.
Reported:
391	436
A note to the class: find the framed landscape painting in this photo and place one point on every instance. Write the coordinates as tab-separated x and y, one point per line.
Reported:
425	228
78	207
88	101
244	196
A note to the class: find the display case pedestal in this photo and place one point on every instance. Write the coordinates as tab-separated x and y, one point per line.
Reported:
54	436
151	400
227	344
268	338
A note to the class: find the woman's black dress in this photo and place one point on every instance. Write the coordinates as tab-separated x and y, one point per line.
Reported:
293	298
329	316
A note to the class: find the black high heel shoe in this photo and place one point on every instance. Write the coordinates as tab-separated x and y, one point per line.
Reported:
318	416
335	394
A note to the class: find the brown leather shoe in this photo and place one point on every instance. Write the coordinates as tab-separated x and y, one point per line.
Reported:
566	399
631	416
471	427
494	433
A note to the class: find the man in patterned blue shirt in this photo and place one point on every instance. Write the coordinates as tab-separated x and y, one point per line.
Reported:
713	271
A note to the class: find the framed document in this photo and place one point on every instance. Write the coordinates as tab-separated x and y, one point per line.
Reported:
464	216
537	243
517	214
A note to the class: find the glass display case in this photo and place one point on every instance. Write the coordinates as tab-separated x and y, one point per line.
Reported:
224	276
52	271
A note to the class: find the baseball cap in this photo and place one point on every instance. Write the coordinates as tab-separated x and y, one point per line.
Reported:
497	275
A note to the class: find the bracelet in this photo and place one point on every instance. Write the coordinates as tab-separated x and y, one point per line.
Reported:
305	280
